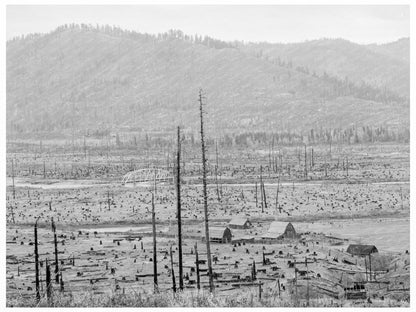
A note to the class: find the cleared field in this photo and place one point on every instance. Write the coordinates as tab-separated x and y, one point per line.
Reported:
104	227
105	260
95	203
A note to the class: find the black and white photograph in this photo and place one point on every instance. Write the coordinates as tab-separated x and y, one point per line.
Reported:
207	155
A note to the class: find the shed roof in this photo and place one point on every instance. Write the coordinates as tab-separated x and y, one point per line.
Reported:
277	227
217	232
271	235
358	249
238	221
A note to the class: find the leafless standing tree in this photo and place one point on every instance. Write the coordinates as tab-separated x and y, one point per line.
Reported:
306	165
154	236
197	267
37	261
173	272
178	206
56	252
14	191
204	189
216	170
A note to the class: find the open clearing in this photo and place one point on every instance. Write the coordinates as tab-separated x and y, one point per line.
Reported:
104	227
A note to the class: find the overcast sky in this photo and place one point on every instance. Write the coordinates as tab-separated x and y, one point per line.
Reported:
361	24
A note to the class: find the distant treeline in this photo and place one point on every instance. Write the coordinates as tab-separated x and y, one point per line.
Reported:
341	87
119	32
352	135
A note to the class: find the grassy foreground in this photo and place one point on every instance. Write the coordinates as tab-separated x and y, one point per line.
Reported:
245	298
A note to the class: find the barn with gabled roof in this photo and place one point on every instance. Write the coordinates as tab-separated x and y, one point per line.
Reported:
219	235
280	230
290	231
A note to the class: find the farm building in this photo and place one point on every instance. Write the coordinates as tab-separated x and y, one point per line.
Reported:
239	223
358	291
280	230
361	250
243	239
219	235
290	231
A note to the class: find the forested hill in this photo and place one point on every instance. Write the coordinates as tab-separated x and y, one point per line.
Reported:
383	66
80	77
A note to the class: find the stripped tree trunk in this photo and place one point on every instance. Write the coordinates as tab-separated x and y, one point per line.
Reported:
154	238
253	271
173	272
326	170
56	252
204	184
270	159
37	262
312	159
108	200
14	192
198	281
216	170
261	189
306	166
296	283
48	282
178	205
277	192
61	282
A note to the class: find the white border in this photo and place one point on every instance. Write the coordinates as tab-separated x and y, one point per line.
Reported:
244	2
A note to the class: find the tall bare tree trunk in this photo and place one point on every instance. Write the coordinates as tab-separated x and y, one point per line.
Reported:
261	189
270	159
37	262
306	165
48	282
216	170
264	196
273	155
307	281
296	281
277	192
198	282
178	205
14	191
312	159
154	237
173	272
56	252
204	185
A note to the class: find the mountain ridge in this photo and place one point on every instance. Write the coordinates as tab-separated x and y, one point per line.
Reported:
86	78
